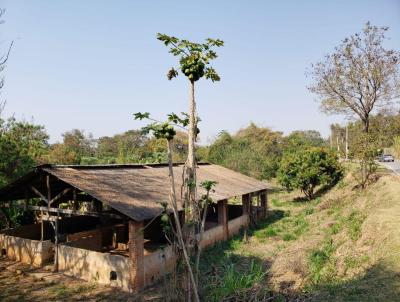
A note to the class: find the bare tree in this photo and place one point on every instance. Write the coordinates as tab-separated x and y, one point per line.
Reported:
360	76
4	58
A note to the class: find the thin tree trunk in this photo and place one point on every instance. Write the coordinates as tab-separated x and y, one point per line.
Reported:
203	222
190	178
177	222
191	160
347	142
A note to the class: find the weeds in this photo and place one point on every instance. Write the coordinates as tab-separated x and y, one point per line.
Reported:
322	263
354	223
287	228
352	262
234	281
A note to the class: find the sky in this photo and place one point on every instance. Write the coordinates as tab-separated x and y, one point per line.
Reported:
91	64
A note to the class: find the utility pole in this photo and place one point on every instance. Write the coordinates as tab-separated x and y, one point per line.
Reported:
347	142
337	143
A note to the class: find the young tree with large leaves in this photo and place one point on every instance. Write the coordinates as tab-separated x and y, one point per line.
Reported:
165	131
194	63
359	77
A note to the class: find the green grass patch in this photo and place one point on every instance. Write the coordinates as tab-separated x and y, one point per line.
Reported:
287	228
322	264
59	291
352	262
277	203
234	280
354	223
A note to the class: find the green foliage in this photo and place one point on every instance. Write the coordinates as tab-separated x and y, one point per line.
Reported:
321	262
233	281
396	145
208	185
302	140
194	58
286	228
307	169
253	151
354	223
22	144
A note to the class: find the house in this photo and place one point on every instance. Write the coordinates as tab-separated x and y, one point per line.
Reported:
103	223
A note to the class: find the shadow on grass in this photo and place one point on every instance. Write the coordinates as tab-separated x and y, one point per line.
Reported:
318	194
228	275
378	283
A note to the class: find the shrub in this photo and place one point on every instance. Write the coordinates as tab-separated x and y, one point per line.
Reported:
307	169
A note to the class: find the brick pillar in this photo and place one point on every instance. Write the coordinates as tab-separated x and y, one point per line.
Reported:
223	217
136	255
263	201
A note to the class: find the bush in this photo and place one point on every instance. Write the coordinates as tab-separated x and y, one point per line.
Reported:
307	169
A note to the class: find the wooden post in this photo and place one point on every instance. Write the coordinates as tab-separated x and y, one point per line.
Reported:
75	206
56	243
41	226
263	201
223	217
136	255
246	204
48	190
246	211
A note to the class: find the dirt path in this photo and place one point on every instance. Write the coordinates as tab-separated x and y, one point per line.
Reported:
20	283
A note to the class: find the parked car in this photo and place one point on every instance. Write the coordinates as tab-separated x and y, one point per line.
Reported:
386	158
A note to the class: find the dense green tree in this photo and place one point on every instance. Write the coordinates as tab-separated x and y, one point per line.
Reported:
22	145
303	139
307	169
254	151
75	146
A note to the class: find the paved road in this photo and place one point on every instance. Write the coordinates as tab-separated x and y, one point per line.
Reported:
394	166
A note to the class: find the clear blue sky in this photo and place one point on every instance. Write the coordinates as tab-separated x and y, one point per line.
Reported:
90	64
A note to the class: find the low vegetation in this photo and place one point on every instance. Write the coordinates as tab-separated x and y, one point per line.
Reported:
328	249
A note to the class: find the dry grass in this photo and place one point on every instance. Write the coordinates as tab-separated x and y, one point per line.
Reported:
338	243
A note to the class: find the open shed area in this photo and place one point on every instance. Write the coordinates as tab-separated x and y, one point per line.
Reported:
103	223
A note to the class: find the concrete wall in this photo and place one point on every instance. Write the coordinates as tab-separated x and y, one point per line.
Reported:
211	236
158	263
90	265
94	266
29	251
236	224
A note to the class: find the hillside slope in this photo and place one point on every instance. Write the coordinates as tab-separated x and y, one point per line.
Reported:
342	246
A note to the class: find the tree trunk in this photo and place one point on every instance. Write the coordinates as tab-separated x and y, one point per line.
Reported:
191	160
178	224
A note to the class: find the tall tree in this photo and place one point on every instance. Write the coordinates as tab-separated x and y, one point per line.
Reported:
360	76
194	63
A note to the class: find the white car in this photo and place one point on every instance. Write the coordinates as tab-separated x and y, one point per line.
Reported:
386	158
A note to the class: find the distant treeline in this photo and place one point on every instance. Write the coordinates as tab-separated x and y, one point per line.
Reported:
254	150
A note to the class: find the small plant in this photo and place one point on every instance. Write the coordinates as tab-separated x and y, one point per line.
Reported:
354	223
234	281
319	261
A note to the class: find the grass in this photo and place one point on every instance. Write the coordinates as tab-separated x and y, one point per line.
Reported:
234	280
60	290
354	223
352	262
287	228
322	262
